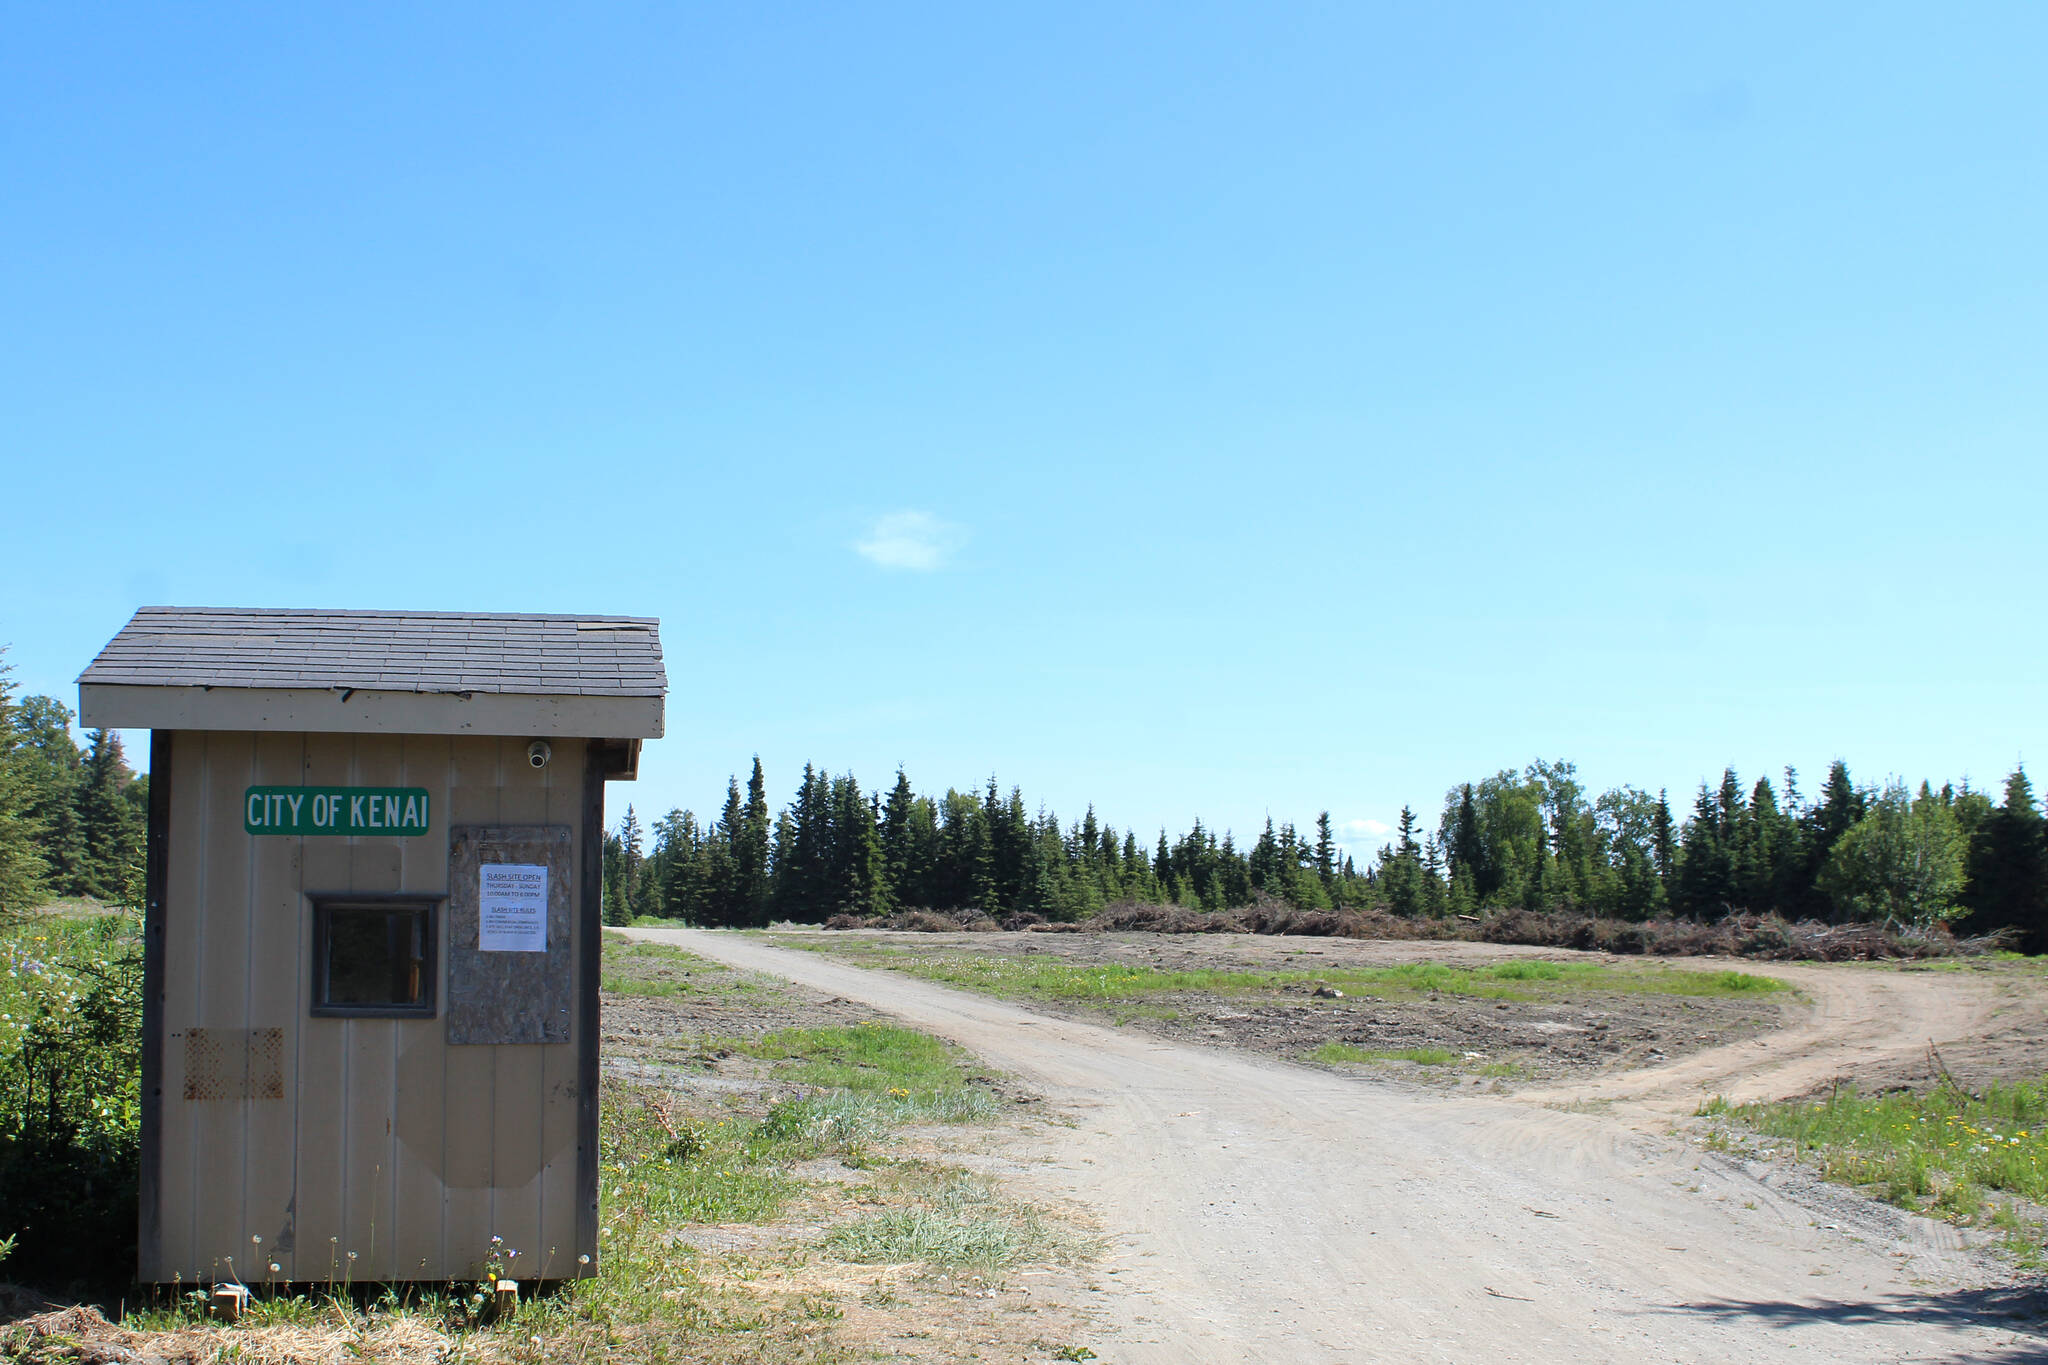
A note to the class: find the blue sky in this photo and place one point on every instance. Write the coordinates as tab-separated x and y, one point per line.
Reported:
1201	410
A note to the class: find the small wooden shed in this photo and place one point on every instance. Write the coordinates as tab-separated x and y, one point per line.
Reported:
371	939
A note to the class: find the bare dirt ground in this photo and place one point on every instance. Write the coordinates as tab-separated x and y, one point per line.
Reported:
1562	1033
1269	1211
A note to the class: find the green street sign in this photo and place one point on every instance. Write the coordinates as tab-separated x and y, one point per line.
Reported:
387	812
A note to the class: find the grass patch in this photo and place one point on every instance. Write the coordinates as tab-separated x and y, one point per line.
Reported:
1507	1071
1048	977
659	971
1348	1052
666	1167
953	1221
672	1158
1946	1152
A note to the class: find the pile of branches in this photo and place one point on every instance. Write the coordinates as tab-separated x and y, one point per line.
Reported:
1764	937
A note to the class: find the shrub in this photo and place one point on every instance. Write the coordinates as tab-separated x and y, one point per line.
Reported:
70	1094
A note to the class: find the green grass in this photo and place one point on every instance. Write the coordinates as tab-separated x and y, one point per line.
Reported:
1347	1052
671	1158
864	1058
953	1221
660	971
665	1168
1946	1152
1049	977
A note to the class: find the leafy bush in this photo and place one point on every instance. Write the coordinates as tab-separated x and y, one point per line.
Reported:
70	1093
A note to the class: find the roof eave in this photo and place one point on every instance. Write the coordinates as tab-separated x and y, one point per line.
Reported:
323	710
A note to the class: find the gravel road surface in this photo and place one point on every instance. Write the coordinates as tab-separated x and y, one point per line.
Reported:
1261	1211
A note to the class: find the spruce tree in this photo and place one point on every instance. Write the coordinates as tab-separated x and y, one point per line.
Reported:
615	910
53	771
860	880
1326	853
750	852
2007	886
1434	893
1703	882
731	894
22	870
1468	849
899	853
1664	841
1401	874
630	858
110	824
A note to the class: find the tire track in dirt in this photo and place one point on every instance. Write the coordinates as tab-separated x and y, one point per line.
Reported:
1269	1212
1862	1020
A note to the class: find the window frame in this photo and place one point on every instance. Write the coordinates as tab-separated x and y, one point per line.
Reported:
324	905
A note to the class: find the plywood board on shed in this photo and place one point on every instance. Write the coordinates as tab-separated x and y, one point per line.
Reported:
509	997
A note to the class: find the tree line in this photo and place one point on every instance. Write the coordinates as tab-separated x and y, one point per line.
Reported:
1533	838
72	820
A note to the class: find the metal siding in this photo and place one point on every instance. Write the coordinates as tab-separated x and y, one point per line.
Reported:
386	1141
276	999
555	1247
321	1147
220	1126
589	975
417	1227
466	1163
371	1170
184	926
517	1097
149	1208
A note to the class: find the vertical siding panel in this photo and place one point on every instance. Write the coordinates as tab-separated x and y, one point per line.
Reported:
518	1098
555	1248
466	1162
416	1223
220	1124
320	1181
374	866
184	903
276	1000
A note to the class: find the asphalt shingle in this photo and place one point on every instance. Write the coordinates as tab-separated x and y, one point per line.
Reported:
386	651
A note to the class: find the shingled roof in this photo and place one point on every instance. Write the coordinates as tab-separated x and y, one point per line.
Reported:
401	651
458	655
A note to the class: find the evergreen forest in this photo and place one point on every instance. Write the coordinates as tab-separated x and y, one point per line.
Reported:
1533	839
72	820
72	824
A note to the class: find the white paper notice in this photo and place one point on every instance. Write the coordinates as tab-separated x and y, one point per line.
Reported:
512	908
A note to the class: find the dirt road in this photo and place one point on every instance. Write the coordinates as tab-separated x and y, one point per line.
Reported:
1267	1212
1865	1022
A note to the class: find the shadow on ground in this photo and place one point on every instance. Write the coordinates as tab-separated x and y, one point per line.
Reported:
2021	1309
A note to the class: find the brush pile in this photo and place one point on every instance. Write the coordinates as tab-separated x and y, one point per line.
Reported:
1763	937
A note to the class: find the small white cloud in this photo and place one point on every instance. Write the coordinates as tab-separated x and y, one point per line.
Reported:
910	540
1353	830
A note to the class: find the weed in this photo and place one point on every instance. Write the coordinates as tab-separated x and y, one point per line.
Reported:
955	1221
1946	1152
1347	1052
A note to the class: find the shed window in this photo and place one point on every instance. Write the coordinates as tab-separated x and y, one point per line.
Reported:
374	957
